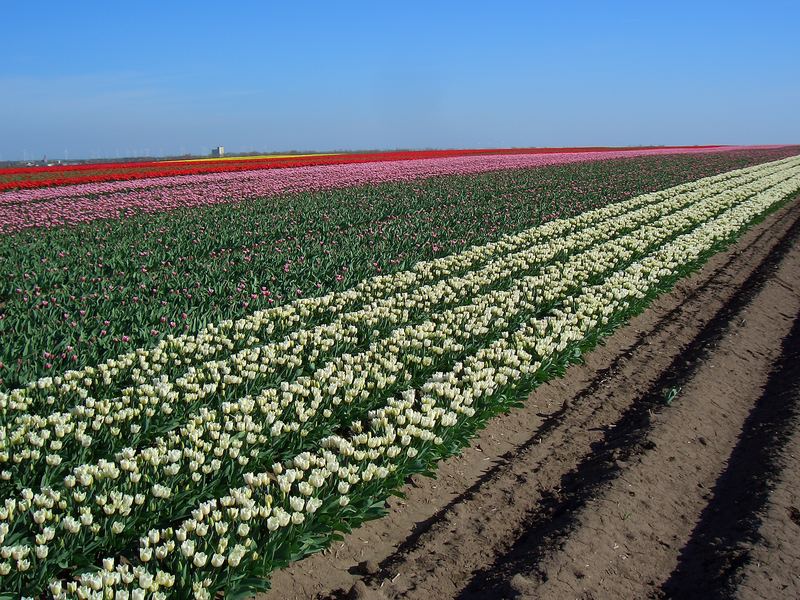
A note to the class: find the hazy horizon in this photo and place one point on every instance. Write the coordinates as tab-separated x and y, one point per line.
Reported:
95	80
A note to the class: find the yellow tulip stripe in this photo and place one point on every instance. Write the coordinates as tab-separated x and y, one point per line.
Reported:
256	157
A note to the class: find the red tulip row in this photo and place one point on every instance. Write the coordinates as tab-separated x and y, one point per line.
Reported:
37	177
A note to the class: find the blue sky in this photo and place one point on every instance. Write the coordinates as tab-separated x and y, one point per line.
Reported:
91	79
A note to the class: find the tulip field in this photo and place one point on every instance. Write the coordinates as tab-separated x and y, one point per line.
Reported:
207	376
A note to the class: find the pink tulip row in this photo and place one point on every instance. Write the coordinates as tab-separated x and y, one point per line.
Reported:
52	207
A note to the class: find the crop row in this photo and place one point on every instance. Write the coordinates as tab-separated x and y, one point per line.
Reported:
63	205
28	181
349	427
37	177
77	296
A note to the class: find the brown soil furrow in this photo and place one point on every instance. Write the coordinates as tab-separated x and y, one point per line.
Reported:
448	529
773	570
626	541
745	531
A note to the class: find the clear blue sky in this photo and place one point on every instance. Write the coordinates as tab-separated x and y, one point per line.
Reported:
115	78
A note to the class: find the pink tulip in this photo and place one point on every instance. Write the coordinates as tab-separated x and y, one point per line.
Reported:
52	207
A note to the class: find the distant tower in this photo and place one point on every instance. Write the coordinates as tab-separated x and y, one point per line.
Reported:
218	152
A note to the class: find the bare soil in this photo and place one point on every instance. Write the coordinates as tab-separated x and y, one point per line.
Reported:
666	466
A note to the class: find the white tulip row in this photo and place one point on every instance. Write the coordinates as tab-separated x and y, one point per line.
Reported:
437	336
61	436
238	532
216	338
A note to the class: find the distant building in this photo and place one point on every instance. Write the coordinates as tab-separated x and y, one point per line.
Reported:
218	152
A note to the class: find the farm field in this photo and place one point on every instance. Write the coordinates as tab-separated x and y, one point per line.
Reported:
207	376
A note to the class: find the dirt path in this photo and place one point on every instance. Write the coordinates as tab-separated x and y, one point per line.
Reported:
597	488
